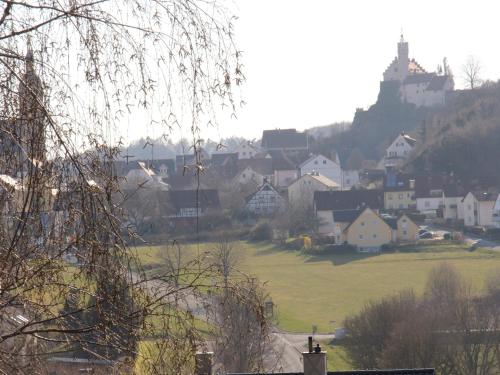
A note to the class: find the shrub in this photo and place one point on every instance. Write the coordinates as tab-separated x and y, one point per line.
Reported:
262	231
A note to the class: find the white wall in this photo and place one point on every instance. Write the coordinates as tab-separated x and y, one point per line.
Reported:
429	204
323	166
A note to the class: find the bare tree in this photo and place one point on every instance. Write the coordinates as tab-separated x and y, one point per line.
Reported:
471	72
69	71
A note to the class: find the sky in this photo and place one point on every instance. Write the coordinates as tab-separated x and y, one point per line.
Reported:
311	63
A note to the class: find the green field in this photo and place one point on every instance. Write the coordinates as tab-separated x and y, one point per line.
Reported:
317	289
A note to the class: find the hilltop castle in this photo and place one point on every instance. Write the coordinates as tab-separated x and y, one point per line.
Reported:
415	84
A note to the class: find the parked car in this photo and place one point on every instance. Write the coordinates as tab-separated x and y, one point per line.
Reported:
425	235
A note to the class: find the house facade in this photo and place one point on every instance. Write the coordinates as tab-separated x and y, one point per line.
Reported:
398	152
247	176
301	191
324	166
247	150
328	202
496	213
368	232
399	192
478	208
265	201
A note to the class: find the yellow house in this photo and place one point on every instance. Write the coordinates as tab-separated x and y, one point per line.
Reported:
403	229
368	231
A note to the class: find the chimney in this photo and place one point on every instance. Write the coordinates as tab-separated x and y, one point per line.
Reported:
314	360
203	363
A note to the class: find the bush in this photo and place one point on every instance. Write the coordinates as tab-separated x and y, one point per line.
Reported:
262	231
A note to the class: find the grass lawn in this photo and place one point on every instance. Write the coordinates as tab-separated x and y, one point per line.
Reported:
316	289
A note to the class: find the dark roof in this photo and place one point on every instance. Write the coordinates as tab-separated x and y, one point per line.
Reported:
485	196
188	198
182	160
437	83
262	166
348	199
346	216
225	159
419	78
392	222
283	139
425	183
423	371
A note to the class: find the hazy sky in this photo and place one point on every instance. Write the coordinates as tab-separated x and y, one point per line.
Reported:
314	62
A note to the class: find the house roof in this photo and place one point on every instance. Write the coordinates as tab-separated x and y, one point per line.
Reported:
262	166
324	180
485	196
224	159
425	183
411	141
437	83
345	216
266	186
203	198
283	138
419	78
312	157
348	199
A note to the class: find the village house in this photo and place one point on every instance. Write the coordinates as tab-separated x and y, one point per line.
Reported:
496	213
254	171
453	208
397	152
301	191
429	194
478	208
399	192
265	201
326	202
139	175
284	139
324	166
417	86
247	150
368	231
285	170
189	205
350	179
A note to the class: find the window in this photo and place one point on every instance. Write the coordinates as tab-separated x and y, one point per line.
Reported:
401	196
244	175
405	232
360	236
389	196
362	223
324	161
316	162
469	207
374	235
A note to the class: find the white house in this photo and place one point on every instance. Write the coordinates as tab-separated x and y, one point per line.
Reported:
398	151
301	191
247	150
478	208
350	179
142	176
264	201
496	213
324	166
248	175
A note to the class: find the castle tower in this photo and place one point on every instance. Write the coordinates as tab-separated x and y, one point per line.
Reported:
403	59
31	117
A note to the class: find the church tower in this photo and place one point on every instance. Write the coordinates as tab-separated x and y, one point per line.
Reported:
31	121
403	59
